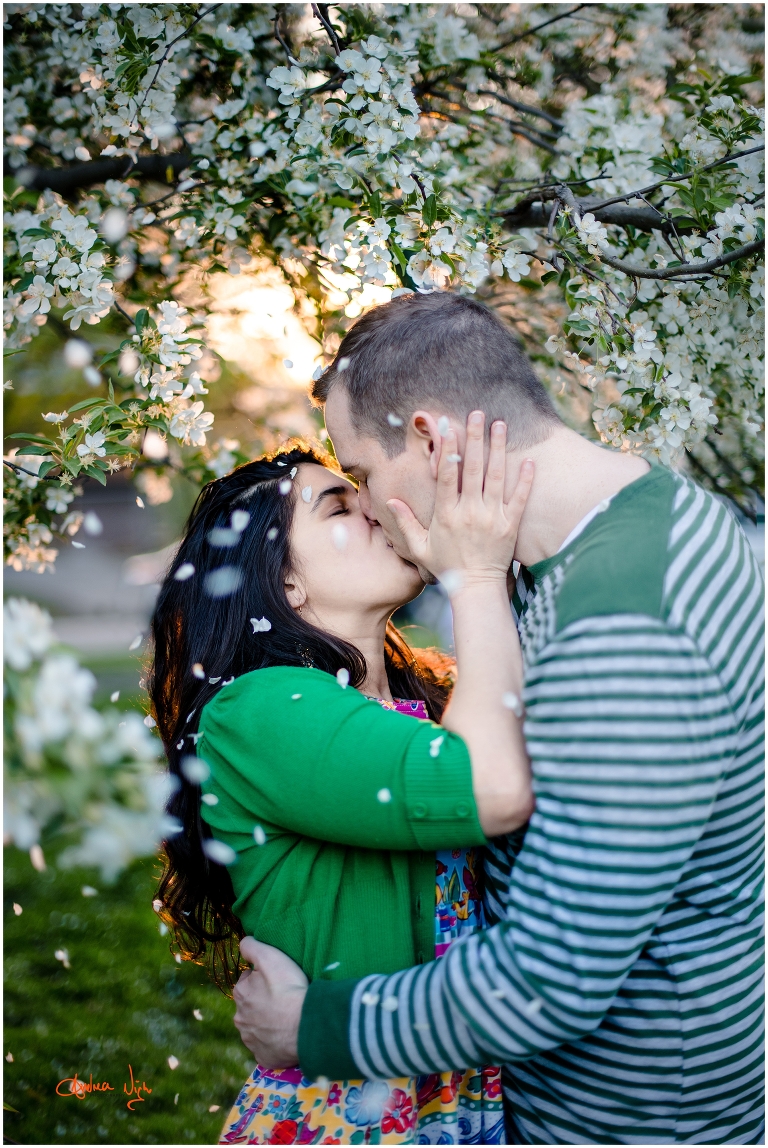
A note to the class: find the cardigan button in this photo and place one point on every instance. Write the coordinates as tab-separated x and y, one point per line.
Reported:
419	810
462	809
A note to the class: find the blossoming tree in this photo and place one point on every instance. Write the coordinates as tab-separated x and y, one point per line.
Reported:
597	163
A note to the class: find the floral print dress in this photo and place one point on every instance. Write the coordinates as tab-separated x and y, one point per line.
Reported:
284	1107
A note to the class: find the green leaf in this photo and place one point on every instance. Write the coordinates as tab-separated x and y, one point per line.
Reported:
429	210
550	276
111	392
141	320
38	449
37	231
46	466
448	261
398	254
340	201
110	358
39	438
352	219
374	205
86	403
96	473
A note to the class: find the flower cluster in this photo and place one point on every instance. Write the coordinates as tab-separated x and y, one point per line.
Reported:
385	152
69	767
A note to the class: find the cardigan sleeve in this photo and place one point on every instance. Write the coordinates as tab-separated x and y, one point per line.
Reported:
299	752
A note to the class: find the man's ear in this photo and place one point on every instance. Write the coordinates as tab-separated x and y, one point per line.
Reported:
428	438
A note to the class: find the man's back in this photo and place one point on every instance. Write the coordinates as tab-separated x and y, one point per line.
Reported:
644	690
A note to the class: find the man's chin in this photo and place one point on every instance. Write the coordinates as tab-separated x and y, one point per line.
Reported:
425	575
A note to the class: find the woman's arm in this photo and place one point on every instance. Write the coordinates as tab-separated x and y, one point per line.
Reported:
470	545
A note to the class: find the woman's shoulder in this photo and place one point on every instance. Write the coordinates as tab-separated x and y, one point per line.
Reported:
276	687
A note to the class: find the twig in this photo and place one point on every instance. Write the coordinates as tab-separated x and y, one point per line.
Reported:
23	470
538	27
520	107
321	12
168	47
280	40
677	178
686	268
120	310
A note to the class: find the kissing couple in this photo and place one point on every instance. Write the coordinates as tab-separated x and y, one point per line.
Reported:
513	898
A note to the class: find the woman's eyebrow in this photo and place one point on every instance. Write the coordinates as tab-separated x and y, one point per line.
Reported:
332	490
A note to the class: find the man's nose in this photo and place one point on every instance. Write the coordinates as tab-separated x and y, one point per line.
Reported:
365	504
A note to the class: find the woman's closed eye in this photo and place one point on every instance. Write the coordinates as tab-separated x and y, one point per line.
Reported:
339	510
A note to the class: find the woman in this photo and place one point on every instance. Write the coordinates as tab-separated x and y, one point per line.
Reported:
271	630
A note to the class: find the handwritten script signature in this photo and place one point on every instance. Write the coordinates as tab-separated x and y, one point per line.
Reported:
81	1089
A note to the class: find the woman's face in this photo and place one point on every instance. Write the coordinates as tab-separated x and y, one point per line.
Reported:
343	565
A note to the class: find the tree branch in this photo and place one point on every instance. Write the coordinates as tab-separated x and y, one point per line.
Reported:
520	107
677	178
535	213
321	12
66	180
164	57
686	268
538	27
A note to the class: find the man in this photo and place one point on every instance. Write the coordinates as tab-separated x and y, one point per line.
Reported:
621	986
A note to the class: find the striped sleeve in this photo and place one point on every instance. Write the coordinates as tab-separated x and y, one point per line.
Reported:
630	733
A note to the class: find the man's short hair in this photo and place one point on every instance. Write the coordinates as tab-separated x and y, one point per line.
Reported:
441	351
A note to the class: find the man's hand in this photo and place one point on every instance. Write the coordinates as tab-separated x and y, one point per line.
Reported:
269	1000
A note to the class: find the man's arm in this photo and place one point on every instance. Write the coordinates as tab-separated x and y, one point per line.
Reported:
628	730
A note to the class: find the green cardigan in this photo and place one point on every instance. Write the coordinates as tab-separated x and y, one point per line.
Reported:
353	800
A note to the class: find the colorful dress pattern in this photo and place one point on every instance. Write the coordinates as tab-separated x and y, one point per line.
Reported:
284	1107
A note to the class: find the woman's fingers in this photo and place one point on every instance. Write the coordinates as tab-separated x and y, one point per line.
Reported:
493	487
474	458
447	474
516	505
413	533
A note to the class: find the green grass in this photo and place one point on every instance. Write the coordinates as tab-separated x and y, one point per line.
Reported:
123	1001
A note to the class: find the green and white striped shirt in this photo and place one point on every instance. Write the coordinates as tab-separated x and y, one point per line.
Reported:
621	984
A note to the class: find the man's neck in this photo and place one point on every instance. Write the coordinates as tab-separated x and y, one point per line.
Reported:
572	476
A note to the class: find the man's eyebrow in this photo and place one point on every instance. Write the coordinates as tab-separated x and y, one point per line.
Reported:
331	490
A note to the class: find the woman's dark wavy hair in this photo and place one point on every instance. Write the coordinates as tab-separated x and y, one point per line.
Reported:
203	620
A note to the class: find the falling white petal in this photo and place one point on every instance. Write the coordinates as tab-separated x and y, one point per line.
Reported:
136	642
384	796
370	998
149	721
295	697
390	1004
443	426
260	625
434	745
218	851
259	836
89	891
285	486
451	581
333	965
306	493
79	545
339	535
240	519
173	1063
195	769
273	532
139	502
210	799
343	364
197	1014
186	570
342	677
288	364
198	672
223	582
17	908
394	421
37	858
115	697
512	702
92	524
213	681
